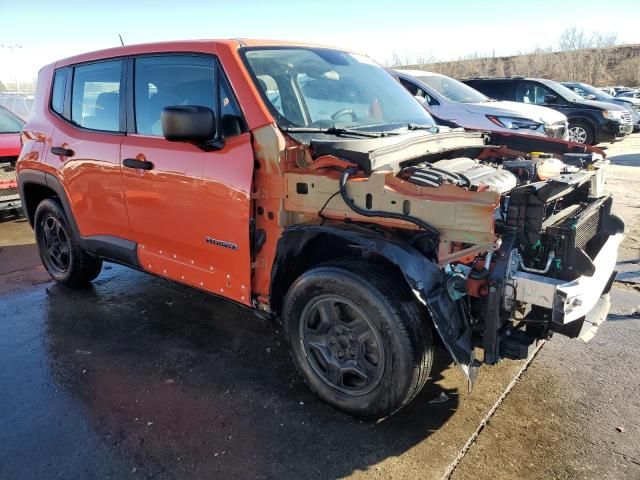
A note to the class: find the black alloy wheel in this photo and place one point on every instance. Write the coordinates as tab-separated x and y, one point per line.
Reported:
61	254
342	345
55	243
358	337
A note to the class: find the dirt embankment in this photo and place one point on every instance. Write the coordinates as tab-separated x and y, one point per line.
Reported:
618	65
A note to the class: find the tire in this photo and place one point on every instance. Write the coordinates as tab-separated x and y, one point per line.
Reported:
64	259
385	336
581	132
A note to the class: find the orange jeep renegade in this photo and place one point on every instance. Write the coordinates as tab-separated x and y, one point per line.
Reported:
305	183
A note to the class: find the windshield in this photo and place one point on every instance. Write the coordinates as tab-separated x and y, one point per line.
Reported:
583	89
453	89
563	91
323	88
9	123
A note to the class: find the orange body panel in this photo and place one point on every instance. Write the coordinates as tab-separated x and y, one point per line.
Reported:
92	179
189	196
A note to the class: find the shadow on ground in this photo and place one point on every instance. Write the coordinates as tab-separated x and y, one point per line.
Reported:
626	160
179	383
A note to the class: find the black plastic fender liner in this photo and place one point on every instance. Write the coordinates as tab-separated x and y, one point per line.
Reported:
424	277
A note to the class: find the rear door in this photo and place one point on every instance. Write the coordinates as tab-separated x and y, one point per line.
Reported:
189	211
88	108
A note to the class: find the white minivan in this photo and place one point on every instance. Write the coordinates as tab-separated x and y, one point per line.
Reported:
451	101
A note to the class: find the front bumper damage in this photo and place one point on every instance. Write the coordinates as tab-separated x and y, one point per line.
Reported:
583	299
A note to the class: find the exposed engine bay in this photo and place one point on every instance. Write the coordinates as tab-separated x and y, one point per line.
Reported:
510	221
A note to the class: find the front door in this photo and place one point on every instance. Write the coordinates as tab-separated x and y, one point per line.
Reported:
188	208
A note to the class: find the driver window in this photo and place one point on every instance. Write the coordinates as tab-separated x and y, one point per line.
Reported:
162	81
531	93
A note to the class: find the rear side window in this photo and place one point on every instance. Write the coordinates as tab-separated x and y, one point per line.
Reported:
95	100
169	80
497	90
58	91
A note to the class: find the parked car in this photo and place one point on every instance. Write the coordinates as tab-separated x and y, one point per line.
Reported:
18	103
631	94
622	89
453	101
590	122
10	127
610	90
306	184
591	93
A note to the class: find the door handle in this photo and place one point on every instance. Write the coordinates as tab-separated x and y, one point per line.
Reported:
63	152
135	163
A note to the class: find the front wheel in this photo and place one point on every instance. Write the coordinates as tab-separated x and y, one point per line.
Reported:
64	259
581	132
358	339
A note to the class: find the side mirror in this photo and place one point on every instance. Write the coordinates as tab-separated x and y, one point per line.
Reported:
550	99
190	124
591	96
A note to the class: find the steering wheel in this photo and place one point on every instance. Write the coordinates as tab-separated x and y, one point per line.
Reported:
344	111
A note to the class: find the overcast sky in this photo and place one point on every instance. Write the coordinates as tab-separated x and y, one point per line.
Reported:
35	32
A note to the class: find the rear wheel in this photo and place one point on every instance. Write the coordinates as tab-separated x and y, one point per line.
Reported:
60	253
581	132
358	339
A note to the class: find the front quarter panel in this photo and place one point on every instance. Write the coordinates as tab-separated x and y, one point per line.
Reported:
423	277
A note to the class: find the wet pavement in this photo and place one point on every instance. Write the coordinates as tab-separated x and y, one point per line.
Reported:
137	377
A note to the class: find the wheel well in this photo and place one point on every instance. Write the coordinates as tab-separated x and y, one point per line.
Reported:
586	120
34	193
323	248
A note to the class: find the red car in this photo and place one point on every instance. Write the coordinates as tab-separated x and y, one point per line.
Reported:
10	127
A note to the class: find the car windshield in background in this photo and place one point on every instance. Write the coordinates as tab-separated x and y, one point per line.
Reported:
453	89
9	123
563	91
323	88
600	95
584	90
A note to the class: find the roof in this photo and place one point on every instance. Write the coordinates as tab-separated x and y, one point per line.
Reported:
417	73
514	77
204	45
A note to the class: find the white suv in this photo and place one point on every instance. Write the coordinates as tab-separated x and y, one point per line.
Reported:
452	101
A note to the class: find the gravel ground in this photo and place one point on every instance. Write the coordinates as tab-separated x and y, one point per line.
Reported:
137	377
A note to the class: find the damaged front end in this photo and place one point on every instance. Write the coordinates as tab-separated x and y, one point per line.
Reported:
504	238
